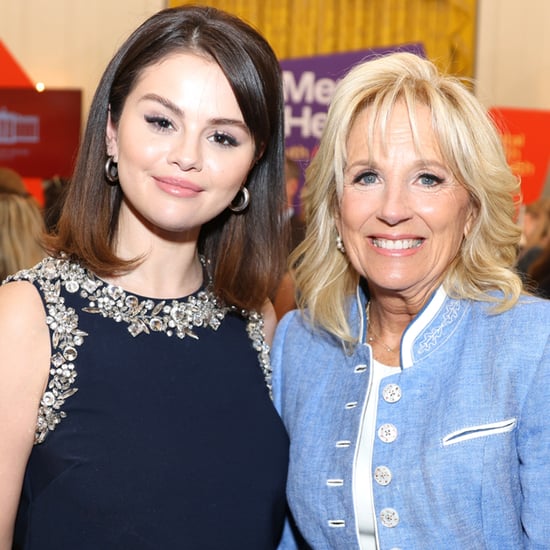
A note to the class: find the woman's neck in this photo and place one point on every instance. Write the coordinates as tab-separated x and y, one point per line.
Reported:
169	265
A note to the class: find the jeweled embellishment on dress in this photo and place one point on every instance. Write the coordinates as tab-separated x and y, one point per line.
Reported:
143	316
255	329
172	317
65	335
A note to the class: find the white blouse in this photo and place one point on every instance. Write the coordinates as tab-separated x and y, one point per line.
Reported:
362	475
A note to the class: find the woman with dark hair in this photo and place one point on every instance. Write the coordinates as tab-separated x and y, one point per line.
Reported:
135	406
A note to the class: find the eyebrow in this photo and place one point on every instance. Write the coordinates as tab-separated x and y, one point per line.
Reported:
165	102
363	163
419	164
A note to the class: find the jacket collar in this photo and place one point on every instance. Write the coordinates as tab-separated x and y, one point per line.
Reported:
426	315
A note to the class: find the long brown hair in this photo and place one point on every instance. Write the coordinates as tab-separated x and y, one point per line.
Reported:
245	251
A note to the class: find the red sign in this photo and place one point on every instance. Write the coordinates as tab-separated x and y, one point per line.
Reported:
12	75
525	137
39	131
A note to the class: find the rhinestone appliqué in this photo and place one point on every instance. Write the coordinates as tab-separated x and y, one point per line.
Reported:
255	328
173	317
143	316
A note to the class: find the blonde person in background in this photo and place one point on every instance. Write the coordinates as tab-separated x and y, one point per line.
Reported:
21	225
414	382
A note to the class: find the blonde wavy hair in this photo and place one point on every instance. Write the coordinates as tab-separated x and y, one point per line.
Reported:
22	225
472	148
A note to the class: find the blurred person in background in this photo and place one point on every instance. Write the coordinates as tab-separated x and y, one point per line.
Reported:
535	235
293	176
21	225
538	273
284	299
54	190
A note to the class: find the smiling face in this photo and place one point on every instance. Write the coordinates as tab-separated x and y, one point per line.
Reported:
402	213
182	146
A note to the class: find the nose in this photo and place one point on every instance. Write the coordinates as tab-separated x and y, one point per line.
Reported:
186	152
395	204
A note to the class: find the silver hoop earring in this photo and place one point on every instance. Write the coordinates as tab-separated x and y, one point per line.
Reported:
111	171
241	200
340	244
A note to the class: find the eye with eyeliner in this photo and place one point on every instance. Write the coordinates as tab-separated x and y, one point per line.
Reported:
159	122
224	139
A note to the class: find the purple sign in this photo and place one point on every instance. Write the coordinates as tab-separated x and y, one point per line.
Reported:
309	83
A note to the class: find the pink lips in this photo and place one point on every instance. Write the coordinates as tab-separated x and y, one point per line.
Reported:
178	187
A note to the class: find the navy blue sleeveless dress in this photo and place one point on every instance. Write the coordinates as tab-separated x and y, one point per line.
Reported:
157	430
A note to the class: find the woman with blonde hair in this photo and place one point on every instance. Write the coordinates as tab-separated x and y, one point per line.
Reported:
21	224
414	380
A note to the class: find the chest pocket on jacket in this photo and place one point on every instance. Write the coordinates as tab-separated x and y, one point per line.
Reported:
484	430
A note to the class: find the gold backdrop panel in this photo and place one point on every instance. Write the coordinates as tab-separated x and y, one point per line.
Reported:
297	28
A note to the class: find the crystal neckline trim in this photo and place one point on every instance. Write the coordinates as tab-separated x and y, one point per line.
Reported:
142	315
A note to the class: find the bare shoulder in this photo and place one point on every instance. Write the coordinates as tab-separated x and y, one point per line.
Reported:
24	334
21	311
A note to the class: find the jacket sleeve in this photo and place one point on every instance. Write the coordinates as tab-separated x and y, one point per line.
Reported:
288	542
291	539
534	456
277	363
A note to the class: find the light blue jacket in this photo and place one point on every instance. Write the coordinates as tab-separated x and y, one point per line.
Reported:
461	454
